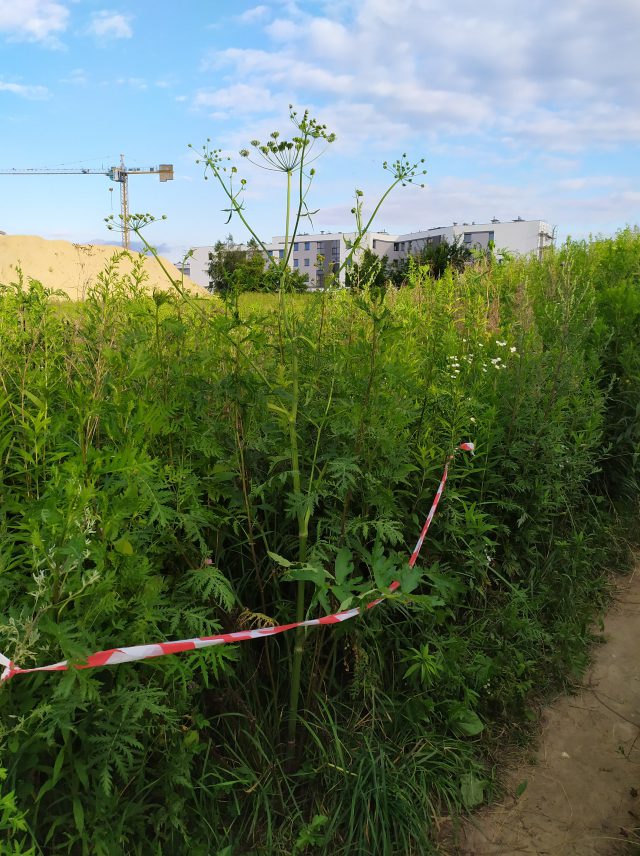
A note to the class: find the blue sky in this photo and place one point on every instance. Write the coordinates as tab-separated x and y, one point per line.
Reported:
519	109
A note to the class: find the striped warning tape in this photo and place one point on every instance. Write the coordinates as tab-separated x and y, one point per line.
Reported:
113	656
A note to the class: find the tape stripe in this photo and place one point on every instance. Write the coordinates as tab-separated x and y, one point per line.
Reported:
130	654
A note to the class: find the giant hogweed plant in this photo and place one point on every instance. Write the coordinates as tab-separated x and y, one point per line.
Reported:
294	158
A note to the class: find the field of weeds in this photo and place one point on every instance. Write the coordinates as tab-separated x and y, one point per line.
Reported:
173	468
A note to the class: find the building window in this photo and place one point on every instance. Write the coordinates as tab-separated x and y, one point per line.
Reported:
295	246
306	262
467	237
492	236
296	262
307	245
374	243
270	253
281	253
396	247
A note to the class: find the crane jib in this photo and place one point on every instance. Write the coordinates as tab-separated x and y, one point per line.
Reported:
119	174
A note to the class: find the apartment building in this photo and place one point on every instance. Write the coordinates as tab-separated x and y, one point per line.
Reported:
517	237
324	254
320	254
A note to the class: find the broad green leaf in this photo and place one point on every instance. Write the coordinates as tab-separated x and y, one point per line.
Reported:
280	560
306	573
124	547
344	565
78	814
467	722
472	790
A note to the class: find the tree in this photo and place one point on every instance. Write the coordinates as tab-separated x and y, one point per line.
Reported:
439	257
375	271
225	259
234	269
272	278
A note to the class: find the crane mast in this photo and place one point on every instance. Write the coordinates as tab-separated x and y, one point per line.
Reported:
119	174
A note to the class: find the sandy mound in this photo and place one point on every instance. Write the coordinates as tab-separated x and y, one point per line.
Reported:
72	268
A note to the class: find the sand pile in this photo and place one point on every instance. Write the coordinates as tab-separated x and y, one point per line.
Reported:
72	268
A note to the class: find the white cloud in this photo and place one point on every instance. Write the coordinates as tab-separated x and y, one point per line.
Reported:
283	30
294	74
33	20
551	75
34	93
138	83
77	76
588	182
110	25
544	90
254	14
239	98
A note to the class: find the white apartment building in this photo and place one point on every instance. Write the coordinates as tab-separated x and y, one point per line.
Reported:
320	254
517	237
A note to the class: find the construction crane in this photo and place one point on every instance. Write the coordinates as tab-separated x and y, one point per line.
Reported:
120	174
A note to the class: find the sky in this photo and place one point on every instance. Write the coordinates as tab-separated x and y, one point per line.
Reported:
519	109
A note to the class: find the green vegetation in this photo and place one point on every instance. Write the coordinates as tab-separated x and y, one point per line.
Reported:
143	437
234	270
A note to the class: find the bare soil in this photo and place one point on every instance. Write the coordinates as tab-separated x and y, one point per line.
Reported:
583	781
73	268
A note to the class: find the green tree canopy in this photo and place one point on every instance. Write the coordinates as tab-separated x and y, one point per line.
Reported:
236	268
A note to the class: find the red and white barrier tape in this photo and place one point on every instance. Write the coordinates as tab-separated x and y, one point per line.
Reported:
113	656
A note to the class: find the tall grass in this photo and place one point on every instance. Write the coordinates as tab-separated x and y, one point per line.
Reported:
164	475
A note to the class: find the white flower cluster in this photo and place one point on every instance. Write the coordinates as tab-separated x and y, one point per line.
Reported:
453	362
500	344
453	366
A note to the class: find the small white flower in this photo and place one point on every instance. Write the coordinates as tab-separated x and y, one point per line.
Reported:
513	350
480	345
501	344
496	360
484	370
501	367
472	420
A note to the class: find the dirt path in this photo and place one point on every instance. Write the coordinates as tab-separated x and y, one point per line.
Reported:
582	794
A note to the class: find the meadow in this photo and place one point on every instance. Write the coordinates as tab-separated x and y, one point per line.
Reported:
174	467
